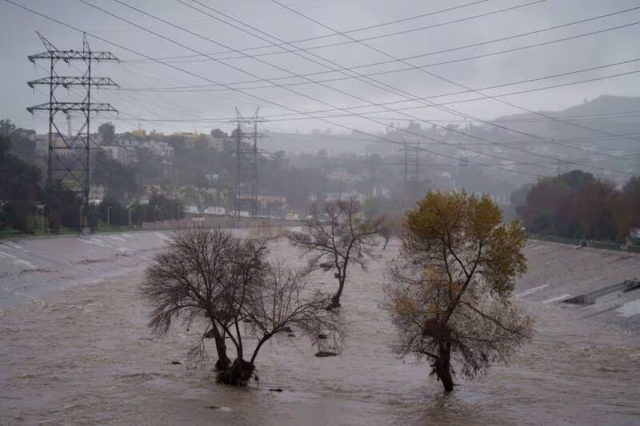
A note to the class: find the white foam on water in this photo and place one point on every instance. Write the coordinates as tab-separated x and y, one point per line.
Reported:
93	241
25	263
629	309
530	291
163	236
556	299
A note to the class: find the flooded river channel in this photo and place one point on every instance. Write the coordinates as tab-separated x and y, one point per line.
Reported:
83	355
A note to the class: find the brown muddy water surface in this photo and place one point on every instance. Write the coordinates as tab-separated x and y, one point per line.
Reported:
83	355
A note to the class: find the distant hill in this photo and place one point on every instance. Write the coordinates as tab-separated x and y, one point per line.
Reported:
618	115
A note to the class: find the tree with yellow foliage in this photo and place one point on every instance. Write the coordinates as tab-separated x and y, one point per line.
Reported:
450	287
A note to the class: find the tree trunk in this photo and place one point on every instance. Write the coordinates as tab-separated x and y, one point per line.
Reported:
221	348
237	374
443	368
335	300
386	241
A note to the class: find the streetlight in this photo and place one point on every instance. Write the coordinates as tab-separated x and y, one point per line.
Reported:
156	209
2	203
108	217
41	207
130	205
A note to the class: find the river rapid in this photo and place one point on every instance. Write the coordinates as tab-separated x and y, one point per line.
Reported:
84	355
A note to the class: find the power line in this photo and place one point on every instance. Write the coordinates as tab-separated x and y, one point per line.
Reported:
393	90
450	49
329	87
256	97
283	117
211	81
255	76
410	18
449	81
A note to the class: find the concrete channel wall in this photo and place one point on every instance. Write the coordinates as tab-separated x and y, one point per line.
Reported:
219	221
605	245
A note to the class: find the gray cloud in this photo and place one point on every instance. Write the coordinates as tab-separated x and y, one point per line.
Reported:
17	30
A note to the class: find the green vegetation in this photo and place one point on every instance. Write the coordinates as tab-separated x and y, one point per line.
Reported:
578	205
450	288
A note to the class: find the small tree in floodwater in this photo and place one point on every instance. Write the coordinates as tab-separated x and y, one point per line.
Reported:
390	226
335	237
227	281
450	287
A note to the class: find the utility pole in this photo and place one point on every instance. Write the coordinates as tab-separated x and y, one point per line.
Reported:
238	165
417	162
406	167
68	165
254	160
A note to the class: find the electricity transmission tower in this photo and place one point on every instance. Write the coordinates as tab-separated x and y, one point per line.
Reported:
406	148
68	166
247	175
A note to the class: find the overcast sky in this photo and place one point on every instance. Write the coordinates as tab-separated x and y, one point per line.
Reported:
148	96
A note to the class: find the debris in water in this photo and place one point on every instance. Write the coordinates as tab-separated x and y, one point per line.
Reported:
176	362
275	390
324	354
216	407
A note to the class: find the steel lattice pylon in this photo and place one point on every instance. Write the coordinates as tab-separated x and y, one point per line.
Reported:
69	154
248	175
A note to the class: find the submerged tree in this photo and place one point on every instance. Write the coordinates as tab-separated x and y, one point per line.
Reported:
390	227
337	237
450	287
227	281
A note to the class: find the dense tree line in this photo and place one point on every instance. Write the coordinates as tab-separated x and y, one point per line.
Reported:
19	190
25	207
580	205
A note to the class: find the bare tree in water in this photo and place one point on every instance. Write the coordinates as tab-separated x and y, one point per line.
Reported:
450	288
210	274
336	237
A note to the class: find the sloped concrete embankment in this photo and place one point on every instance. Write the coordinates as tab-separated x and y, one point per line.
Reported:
32	268
558	272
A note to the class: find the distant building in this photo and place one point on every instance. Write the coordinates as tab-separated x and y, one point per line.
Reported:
119	154
96	194
264	199
336	196
342	174
215	210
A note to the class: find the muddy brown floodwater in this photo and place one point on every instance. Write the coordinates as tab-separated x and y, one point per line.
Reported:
85	356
